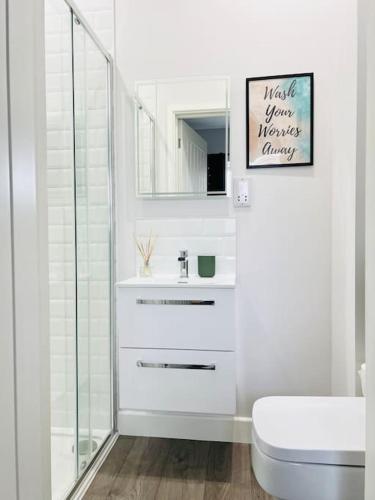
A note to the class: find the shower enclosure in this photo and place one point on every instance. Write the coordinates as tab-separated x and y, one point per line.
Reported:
78	90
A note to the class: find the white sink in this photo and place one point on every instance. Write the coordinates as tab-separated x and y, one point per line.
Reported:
168	281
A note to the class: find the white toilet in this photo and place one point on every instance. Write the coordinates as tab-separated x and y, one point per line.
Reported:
310	448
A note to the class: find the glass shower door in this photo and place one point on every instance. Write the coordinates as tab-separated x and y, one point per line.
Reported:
93	244
80	255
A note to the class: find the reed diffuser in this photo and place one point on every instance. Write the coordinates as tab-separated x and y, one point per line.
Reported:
145	249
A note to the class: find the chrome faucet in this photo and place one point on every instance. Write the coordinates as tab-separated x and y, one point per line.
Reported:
184	264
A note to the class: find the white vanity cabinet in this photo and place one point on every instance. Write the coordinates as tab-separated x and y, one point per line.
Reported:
176	346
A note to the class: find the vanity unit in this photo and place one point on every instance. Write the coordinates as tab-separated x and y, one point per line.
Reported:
176	343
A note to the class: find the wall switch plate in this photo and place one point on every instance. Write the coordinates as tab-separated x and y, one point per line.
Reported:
241	196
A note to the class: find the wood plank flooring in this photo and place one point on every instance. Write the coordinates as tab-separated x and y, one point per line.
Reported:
171	469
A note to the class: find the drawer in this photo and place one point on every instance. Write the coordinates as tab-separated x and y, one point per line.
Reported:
177	381
171	318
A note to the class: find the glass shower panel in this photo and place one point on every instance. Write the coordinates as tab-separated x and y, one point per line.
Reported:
79	229
61	245
93	244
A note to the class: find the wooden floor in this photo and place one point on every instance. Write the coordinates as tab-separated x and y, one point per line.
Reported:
173	469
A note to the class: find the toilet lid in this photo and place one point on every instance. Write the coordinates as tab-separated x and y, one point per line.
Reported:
311	429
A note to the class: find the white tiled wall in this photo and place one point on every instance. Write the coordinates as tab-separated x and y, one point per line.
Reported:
60	214
91	216
210	236
100	16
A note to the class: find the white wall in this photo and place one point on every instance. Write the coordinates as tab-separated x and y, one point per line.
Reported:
344	178
29	248
360	222
368	9
285	239
8	463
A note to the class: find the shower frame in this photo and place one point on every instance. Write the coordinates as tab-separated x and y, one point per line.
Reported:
84	480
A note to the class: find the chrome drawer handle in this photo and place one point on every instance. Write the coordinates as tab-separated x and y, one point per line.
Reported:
172	302
142	364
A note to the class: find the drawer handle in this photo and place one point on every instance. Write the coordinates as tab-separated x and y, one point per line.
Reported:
172	302
142	364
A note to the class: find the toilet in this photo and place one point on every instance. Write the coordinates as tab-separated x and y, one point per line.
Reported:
310	448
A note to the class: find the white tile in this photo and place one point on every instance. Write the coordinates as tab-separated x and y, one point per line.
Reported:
60	215
226	265
99	291
169	227
61	271
60	158
60	345
97	176
219	227
98	233
99	271
62	309
98	195
62	290
229	246
205	246
99	252
99	330
214	236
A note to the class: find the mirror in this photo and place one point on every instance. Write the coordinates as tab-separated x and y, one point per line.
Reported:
182	137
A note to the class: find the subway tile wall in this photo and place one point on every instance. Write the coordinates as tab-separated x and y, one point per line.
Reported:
91	216
209	236
60	213
100	16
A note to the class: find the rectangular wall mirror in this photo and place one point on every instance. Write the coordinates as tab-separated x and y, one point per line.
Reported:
182	137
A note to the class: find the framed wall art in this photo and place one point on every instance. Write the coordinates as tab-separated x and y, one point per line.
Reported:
279	121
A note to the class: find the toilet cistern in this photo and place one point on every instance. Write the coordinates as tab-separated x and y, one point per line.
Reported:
184	264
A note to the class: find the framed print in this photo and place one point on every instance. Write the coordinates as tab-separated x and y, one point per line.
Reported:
279	121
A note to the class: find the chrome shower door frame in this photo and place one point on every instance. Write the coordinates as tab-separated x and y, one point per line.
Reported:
84	479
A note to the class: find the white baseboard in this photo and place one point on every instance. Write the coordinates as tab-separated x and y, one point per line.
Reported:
185	426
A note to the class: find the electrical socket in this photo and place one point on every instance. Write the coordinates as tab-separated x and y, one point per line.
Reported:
241	197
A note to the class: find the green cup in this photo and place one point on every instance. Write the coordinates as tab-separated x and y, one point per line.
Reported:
206	266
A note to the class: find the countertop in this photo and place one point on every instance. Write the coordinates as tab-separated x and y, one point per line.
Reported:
166	281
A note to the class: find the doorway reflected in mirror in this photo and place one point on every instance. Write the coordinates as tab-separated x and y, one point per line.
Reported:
201	147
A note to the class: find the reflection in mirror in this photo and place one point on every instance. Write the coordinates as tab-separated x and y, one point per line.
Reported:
201	150
182	137
145	126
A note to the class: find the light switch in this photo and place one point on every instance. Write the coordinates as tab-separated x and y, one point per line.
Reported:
241	196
